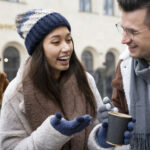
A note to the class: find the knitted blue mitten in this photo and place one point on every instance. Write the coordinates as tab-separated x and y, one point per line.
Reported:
70	127
127	133
102	135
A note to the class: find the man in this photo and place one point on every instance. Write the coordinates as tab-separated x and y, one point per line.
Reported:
3	85
132	82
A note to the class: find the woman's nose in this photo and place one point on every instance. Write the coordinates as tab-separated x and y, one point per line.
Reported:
65	47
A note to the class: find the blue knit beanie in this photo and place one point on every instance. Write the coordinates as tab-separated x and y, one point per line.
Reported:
35	24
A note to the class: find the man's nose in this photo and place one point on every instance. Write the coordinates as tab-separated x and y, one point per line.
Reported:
126	39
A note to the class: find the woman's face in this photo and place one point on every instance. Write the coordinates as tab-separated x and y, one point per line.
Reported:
58	48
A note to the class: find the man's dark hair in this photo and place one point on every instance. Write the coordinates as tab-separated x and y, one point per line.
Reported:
131	5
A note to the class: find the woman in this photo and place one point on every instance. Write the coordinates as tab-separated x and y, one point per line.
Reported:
51	81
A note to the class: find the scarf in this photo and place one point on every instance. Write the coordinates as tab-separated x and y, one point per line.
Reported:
38	108
140	104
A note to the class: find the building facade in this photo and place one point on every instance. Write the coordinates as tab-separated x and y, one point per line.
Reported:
97	42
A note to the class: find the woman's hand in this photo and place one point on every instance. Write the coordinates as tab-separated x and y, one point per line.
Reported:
102	114
70	127
102	134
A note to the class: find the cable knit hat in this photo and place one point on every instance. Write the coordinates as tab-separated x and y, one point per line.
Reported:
35	24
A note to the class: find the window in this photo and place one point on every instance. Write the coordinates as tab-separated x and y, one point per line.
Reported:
110	60
11	62
110	67
12	0
108	7
85	5
87	59
104	76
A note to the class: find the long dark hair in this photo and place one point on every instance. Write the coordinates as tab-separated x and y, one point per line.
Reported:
42	75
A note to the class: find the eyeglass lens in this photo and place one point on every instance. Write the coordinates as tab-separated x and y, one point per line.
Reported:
122	30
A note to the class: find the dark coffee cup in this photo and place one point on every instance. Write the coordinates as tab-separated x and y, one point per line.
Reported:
117	124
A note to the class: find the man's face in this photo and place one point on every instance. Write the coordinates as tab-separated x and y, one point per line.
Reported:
139	44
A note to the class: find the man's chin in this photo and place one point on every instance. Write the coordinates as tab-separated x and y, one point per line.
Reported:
134	55
133	52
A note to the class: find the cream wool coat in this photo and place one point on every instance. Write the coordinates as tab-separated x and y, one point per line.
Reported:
15	132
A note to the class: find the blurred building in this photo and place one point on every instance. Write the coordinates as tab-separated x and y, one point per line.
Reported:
97	42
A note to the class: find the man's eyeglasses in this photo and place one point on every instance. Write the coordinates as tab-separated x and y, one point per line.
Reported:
129	32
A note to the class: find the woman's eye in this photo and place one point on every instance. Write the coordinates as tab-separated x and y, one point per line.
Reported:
69	40
55	42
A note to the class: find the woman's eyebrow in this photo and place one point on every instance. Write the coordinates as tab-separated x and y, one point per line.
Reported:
54	36
57	36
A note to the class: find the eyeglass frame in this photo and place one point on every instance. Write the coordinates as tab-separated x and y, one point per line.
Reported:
129	31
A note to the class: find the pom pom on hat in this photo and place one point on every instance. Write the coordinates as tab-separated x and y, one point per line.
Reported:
35	24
